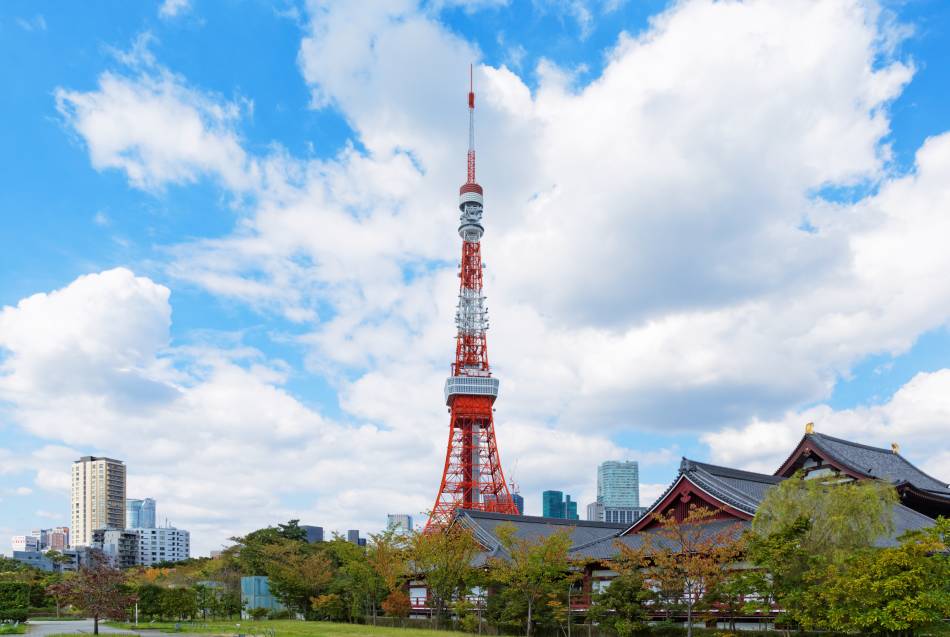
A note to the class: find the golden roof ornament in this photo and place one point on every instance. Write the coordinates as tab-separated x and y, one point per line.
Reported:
895	448
809	427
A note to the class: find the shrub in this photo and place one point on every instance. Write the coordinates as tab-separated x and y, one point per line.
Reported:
258	613
13	614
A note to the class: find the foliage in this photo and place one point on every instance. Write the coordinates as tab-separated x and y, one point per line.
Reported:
444	558
874	590
14	614
297	571
329	606
12	629
179	603
621	606
841	517
98	589
14	595
532	573
804	528
397	604
685	558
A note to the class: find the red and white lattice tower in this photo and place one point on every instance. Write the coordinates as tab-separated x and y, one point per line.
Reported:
472	478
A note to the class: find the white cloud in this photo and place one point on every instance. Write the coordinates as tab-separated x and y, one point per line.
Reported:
36	23
915	417
173	8
157	130
209	431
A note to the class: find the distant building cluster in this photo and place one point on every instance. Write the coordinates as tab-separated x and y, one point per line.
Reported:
555	504
618	496
104	520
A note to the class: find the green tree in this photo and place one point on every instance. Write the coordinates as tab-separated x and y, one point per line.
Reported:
444	558
150	600
98	589
297	571
841	517
808	526
532	571
884	590
621	606
179	603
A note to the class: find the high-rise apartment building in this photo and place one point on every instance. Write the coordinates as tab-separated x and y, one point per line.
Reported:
618	484
98	497
595	512
140	514
314	533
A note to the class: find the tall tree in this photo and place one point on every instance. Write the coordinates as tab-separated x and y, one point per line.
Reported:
841	517
533	570
297	571
804	526
98	589
686	558
445	559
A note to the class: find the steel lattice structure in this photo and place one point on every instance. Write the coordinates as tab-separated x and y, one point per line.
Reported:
472	478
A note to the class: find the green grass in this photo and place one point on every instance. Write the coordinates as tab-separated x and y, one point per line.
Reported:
100	633
290	628
10	629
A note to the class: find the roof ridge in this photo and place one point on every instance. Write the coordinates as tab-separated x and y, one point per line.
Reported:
852	443
768	477
889	452
491	515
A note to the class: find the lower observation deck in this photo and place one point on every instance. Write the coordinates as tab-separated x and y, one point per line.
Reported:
470	386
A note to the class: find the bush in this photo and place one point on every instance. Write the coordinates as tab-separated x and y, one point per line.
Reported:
280	614
258	613
13	614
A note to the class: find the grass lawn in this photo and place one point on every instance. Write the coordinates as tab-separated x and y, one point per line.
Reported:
290	628
10	629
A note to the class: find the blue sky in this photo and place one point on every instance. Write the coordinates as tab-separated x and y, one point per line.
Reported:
238	219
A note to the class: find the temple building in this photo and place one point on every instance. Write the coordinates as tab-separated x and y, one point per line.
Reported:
733	494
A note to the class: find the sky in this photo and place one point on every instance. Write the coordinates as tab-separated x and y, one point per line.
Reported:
229	244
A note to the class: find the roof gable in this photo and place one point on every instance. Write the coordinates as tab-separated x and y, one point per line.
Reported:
862	461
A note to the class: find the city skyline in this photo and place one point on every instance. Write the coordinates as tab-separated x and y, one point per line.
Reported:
235	267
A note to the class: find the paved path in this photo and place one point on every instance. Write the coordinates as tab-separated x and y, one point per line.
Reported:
84	626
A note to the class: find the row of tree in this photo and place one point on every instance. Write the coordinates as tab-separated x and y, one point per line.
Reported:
809	553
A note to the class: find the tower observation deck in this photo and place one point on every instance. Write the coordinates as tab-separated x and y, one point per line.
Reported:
472	477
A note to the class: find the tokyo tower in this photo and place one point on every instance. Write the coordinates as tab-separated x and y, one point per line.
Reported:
472	478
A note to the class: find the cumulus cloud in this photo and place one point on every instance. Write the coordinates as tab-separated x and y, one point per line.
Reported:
210	432
915	418
156	129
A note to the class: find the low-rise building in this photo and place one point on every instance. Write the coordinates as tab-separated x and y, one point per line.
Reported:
25	543
255	593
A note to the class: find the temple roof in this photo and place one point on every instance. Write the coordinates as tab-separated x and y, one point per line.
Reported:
742	489
484	526
872	462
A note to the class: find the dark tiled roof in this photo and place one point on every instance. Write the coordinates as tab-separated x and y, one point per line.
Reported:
741	489
607	548
875	462
905	519
485	526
